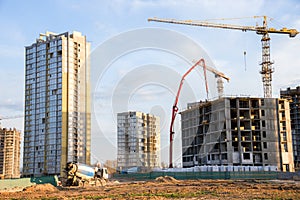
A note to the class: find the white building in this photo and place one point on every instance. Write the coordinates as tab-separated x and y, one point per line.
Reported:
57	103
138	140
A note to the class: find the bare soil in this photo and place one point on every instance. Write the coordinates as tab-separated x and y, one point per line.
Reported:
166	188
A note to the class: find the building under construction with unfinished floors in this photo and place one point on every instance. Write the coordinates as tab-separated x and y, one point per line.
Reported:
138	140
238	131
294	98
10	143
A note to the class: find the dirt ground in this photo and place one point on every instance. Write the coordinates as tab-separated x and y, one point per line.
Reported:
166	188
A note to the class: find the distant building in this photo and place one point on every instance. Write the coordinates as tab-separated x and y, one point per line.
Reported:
57	125
138	140
294	96
10	142
238	132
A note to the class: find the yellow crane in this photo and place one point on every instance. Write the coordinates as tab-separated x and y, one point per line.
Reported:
10	117
263	30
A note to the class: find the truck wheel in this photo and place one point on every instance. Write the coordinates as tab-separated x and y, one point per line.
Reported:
81	183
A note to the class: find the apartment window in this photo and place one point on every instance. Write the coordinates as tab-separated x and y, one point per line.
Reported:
246	156
284	138
263	123
265	145
266	156
285	147
287	167
264	134
262	112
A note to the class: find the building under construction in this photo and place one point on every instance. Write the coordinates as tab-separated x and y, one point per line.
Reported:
294	96
238	131
10	142
138	140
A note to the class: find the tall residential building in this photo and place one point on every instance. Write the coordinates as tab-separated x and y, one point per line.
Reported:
238	132
294	96
57	125
138	140
10	142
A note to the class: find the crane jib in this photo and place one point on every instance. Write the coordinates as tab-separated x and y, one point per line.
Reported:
261	30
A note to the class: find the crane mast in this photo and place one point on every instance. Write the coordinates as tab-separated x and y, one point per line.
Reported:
266	64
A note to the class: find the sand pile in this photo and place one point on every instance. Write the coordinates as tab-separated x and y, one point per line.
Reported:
166	179
41	188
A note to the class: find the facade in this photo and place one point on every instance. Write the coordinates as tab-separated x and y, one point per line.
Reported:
294	96
238	132
138	140
10	142
57	125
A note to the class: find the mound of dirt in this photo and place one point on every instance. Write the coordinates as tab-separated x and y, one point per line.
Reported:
166	179
41	188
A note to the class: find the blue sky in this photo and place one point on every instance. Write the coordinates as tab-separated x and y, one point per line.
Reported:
103	21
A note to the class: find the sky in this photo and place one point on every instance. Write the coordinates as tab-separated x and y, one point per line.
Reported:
137	65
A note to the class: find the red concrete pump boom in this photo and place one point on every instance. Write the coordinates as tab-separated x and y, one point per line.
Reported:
175	108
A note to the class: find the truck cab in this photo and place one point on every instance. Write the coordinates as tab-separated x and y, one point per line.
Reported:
102	173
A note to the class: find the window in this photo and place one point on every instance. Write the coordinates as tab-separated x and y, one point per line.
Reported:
284	138
262	112
263	123
246	156
265	145
264	134
266	156
224	156
287	167
285	147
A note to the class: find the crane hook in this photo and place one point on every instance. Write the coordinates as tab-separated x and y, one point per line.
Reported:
245	62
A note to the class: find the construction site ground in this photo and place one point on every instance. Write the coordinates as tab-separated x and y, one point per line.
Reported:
164	188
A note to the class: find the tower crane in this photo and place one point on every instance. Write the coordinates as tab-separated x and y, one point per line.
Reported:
219	76
10	117
266	64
